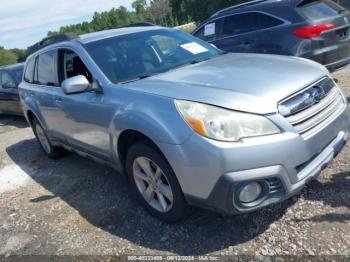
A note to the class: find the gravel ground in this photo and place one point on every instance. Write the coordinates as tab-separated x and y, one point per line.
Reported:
76	207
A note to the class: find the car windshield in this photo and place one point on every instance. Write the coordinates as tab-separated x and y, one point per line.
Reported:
132	57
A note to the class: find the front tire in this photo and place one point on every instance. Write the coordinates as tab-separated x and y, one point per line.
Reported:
45	143
155	184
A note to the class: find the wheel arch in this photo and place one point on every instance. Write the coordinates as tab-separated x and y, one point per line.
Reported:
130	137
30	115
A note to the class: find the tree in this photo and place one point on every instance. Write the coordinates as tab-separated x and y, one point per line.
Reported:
160	9
7	57
21	54
139	6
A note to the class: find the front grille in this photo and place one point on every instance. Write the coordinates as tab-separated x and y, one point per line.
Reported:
314	107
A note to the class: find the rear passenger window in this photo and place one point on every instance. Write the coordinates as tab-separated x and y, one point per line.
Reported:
263	21
248	22
29	74
318	9
46	69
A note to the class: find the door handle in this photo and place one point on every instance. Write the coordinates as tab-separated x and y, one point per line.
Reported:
31	93
59	101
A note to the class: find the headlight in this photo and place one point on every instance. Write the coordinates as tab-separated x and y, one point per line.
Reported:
222	124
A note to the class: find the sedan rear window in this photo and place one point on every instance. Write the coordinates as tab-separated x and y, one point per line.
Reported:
319	9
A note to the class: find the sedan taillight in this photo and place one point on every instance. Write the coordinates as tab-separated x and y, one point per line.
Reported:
313	31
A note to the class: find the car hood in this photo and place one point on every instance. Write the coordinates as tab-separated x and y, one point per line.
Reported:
245	82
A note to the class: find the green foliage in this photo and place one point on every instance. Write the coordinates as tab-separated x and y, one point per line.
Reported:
8	57
163	12
185	11
114	18
21	54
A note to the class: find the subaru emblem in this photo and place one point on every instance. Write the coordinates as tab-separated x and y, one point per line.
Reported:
317	94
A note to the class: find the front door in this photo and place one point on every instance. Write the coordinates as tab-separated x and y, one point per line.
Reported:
85	116
9	99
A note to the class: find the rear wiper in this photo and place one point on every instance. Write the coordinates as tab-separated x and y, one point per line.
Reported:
137	78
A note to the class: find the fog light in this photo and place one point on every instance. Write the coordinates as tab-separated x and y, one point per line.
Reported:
250	192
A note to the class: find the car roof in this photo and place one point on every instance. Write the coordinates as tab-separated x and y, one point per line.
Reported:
91	37
57	40
253	5
14	66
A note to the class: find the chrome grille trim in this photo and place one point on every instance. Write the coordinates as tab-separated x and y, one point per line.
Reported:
310	119
308	113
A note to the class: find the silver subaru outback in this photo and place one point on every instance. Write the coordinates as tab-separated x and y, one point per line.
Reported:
187	123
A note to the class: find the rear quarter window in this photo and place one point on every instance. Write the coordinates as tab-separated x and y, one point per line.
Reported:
318	9
29	73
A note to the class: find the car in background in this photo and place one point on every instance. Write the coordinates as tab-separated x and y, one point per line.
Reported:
190	124
10	78
313	29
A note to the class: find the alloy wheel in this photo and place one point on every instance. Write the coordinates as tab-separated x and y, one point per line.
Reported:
153	184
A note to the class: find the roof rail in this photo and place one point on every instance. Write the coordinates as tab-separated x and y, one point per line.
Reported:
139	24
254	2
52	40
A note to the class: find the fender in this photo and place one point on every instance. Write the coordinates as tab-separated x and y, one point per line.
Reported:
161	126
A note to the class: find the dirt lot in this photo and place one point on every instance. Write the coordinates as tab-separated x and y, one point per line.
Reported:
76	207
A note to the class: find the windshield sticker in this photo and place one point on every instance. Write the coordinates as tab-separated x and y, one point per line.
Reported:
209	29
194	48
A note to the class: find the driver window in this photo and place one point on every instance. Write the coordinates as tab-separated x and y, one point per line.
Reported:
6	79
71	65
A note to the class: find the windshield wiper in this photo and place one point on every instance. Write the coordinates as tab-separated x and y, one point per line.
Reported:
192	62
196	61
137	78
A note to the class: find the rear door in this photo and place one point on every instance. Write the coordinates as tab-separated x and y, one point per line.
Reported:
248	32
46	89
235	34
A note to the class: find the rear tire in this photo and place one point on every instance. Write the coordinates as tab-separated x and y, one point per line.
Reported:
155	184
51	151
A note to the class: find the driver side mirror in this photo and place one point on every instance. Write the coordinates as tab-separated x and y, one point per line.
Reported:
76	84
9	85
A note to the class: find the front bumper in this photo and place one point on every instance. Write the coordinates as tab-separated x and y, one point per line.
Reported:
210	172
223	195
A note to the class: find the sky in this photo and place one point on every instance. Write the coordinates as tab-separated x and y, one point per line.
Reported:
25	22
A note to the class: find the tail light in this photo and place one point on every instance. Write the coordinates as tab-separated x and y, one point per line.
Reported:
313	31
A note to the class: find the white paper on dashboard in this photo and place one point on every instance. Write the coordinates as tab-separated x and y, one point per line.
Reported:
194	48
209	29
